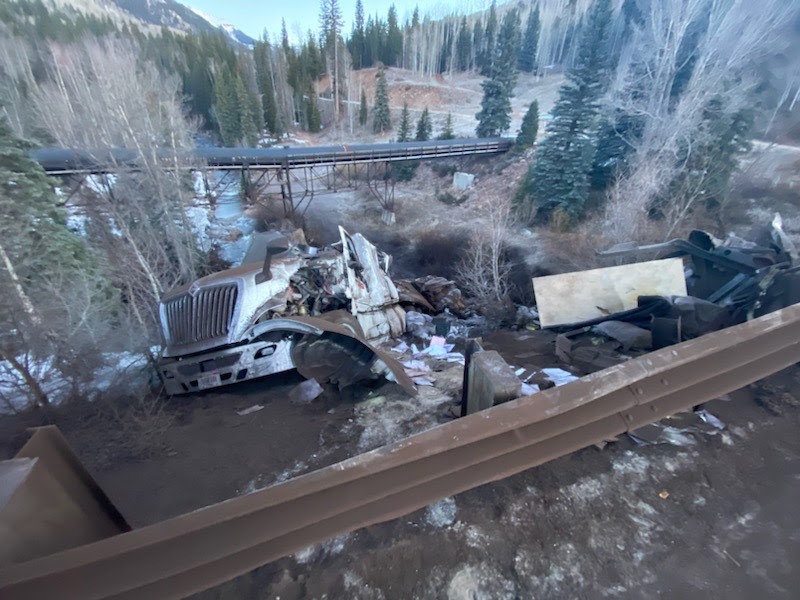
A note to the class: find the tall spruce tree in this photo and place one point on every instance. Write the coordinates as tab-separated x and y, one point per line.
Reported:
358	38
486	60
363	109
424	126
37	253
313	117
247	122
447	131
526	137
477	44
393	46
404	129
381	115
463	46
530	43
495	115
557	183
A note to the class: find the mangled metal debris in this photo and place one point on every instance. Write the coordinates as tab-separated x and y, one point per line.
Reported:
259	318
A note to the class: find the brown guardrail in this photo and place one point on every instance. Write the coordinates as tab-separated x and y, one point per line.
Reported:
201	549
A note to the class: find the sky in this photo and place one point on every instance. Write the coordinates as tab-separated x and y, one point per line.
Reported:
252	16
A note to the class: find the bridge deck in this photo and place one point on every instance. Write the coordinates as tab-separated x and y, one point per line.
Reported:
64	161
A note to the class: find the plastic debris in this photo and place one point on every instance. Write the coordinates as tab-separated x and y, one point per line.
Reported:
305	392
559	376
401	348
707	417
419	325
252	409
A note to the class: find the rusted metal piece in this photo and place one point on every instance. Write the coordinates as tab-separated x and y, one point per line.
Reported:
204	548
50	502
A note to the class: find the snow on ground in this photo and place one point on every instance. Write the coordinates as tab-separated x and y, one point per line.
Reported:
131	368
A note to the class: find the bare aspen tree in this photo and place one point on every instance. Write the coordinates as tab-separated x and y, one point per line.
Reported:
101	98
728	37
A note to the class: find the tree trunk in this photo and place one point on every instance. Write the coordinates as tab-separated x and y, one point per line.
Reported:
39	397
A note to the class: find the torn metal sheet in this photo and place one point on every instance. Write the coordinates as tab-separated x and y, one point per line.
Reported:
585	295
627	334
356	360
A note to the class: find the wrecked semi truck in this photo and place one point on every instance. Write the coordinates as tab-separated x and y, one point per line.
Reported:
245	322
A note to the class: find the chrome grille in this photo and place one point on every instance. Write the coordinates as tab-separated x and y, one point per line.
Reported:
203	316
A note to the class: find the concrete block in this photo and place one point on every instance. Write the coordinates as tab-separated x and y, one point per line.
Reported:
462	181
490	381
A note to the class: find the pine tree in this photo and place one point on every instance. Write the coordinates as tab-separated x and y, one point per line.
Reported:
363	110
495	115
464	46
557	182
404	129
330	18
393	49
358	38
486	59
247	124
382	116
37	253
447	132
313	117
526	137
477	44
530	43
424	126
262	57
226	110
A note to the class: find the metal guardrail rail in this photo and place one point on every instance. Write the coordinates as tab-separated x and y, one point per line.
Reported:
64	161
204	548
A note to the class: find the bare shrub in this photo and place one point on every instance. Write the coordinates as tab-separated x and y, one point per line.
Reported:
484	270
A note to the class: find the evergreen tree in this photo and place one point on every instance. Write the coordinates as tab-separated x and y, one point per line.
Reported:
424	126
447	132
415	18
358	38
363	110
708	161
382	116
38	254
393	48
313	117
486	59
530	43
464	46
495	115
244	108
226	110
262	58
526	137
557	182
404	129
477	44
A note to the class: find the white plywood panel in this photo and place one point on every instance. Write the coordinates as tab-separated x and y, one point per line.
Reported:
583	295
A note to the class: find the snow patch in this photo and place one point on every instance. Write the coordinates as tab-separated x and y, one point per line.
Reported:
441	513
